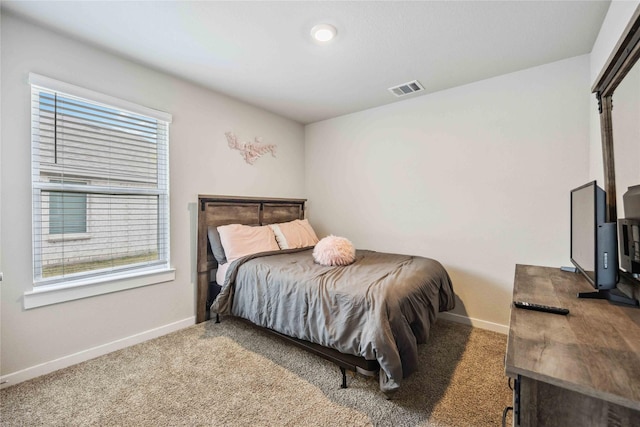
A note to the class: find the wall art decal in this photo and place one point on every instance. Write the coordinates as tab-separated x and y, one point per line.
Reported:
250	151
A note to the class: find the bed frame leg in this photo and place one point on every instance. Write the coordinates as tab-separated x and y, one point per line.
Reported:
217	318
344	377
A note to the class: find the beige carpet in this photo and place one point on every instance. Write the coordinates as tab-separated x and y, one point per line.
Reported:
231	374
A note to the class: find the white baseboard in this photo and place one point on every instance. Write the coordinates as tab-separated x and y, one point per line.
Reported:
81	356
477	323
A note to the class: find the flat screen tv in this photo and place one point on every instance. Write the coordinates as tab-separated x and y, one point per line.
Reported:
594	243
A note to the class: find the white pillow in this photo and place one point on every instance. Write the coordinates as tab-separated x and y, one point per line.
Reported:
241	240
294	234
221	273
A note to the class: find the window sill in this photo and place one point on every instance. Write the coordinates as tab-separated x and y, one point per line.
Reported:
44	295
68	237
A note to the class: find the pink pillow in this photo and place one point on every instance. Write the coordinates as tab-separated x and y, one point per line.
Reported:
241	240
294	234
333	250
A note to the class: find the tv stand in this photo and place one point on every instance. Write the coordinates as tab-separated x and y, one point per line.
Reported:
574	370
613	295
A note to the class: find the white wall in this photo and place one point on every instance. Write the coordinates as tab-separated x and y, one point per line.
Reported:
476	177
200	162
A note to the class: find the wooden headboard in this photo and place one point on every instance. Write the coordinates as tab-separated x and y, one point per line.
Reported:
214	211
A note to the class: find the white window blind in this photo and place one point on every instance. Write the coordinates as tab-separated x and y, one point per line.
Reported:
100	184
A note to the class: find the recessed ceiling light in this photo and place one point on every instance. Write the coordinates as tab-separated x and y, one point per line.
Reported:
323	32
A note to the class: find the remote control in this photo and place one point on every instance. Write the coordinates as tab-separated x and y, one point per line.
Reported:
539	307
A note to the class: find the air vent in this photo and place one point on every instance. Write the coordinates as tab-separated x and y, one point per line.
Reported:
406	88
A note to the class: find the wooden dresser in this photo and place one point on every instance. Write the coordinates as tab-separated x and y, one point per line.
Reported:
582	369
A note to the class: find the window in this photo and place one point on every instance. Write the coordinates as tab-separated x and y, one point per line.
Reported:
67	213
100	185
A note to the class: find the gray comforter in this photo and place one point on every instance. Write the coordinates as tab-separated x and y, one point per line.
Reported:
380	307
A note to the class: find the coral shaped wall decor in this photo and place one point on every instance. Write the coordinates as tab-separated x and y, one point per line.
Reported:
250	151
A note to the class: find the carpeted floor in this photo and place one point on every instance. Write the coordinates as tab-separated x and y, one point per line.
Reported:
231	374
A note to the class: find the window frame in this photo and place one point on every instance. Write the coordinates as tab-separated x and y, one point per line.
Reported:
45	292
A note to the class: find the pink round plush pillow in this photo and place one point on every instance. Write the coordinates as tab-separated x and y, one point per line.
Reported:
333	250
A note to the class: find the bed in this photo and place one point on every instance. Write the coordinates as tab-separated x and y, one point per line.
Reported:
364	317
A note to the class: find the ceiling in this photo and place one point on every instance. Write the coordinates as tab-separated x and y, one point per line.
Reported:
262	52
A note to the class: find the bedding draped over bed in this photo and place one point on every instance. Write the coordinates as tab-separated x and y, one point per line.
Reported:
380	307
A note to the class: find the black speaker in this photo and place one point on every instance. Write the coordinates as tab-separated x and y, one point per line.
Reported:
607	256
